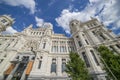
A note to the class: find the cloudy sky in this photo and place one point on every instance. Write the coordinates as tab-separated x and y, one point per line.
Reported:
60	12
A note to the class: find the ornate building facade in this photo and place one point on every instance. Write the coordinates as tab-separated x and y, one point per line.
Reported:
41	54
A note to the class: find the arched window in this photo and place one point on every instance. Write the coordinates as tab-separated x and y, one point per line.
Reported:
63	65
95	59
53	66
85	59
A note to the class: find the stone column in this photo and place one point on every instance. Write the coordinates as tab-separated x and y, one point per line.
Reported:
116	48
67	47
44	64
49	62
92	61
76	44
106	36
93	37
59	68
36	63
82	39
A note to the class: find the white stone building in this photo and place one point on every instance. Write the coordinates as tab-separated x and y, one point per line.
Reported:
41	54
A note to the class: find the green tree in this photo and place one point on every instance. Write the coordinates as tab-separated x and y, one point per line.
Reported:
111	62
76	68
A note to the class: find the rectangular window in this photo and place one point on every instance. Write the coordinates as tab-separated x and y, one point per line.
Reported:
113	49
118	46
56	48
64	48
93	32
69	49
33	58
87	42
31	33
7	45
44	44
80	44
1	60
15	44
37	33
63	65
61	48
39	65
53	67
86	59
17	57
102	37
95	59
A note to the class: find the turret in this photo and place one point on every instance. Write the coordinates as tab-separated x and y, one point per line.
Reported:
74	25
5	21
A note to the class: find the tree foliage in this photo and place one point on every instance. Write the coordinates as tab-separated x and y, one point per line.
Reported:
112	61
76	68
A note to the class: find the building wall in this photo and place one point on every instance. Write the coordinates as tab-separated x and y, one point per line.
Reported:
49	51
87	37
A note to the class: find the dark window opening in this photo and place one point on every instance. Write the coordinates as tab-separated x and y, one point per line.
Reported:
80	44
44	44
94	57
86	59
102	37
113	49
53	67
87	42
93	32
63	67
33	58
39	66
77	36
17	57
118	46
1	60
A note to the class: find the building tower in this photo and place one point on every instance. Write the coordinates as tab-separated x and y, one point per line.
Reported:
5	21
87	37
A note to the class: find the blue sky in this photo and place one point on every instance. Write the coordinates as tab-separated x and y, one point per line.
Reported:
60	12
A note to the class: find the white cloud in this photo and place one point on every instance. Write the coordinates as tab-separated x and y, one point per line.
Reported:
93	1
29	4
106	11
39	21
67	16
9	30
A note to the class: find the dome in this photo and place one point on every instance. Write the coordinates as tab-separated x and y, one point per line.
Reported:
74	23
